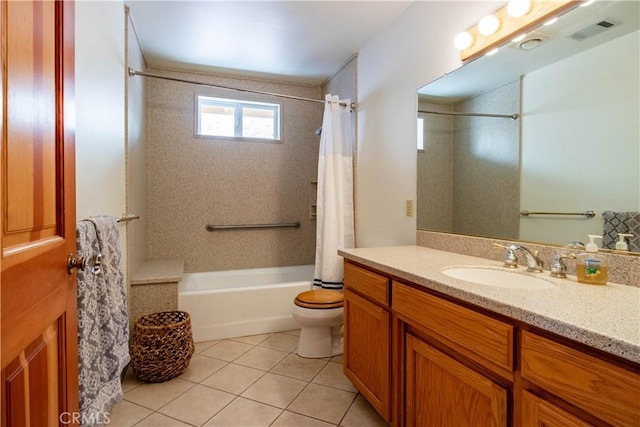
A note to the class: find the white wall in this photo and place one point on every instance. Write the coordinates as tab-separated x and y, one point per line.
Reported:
588	105
100	135
416	49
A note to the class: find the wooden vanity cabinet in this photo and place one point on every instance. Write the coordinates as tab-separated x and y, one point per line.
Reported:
367	336
602	389
456	365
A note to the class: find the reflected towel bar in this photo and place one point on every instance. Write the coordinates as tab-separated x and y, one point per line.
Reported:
249	226
588	214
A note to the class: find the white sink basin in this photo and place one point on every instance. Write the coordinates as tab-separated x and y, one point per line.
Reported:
498	278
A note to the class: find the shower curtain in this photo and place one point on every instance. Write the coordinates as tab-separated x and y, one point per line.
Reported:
335	224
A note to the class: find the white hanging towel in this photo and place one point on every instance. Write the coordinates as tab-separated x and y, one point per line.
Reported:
335	224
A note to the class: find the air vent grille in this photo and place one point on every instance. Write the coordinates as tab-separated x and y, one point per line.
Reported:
594	29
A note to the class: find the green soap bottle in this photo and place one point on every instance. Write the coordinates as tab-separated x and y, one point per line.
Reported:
592	266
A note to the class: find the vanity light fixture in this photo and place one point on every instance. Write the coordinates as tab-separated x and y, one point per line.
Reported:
488	25
463	40
518	8
517	17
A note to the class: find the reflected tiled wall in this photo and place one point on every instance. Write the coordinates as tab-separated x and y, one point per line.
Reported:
193	181
486	172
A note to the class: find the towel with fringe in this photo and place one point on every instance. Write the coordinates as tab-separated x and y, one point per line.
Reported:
103	328
621	223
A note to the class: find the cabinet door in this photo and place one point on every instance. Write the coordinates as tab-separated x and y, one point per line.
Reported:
537	412
442	392
367	350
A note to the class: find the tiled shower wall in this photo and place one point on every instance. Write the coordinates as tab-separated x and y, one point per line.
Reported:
192	182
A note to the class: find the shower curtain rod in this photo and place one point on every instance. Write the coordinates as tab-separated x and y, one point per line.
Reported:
133	73
500	116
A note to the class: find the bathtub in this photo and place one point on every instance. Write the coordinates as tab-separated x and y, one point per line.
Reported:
235	303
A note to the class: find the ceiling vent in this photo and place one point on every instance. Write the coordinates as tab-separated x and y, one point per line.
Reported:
594	29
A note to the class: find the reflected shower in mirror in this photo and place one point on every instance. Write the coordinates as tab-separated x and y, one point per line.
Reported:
575	146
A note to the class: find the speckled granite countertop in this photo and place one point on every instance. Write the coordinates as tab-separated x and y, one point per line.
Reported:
602	317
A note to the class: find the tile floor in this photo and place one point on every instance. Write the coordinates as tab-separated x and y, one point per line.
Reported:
256	380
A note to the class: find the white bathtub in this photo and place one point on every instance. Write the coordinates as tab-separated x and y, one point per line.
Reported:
235	303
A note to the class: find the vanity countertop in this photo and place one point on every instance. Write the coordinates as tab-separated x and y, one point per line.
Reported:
603	317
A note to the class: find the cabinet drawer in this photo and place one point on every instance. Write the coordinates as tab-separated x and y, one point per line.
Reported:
367	283
603	389
475	335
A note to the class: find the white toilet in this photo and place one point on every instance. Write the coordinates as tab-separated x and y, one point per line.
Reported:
319	314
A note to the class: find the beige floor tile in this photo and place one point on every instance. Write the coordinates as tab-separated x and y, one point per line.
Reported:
282	342
261	358
203	345
233	378
201	367
159	420
361	414
126	414
299	367
130	381
337	359
252	339
227	350
325	403
290	419
295	332
197	405
332	375
275	390
245	413
154	396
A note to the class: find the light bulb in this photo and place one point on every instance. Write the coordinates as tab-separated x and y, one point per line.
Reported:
488	25
519	38
518	8
463	41
492	51
587	3
551	21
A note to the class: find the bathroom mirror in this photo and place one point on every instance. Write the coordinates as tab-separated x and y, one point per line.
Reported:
574	148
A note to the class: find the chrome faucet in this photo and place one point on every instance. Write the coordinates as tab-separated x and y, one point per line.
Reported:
558	267
534	264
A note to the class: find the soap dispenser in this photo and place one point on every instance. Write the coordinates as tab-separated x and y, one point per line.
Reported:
592	266
621	245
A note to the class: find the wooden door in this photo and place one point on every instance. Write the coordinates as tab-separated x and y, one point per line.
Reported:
440	391
38	305
367	348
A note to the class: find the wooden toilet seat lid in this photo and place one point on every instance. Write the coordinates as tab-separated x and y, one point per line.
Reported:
321	298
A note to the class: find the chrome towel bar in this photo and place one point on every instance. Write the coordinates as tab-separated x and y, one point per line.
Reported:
250	226
588	214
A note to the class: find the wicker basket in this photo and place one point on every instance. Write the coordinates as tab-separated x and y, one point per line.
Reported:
162	345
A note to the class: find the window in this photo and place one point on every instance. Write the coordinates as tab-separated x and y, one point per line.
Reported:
230	118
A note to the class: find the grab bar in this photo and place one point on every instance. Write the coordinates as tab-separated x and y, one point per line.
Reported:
249	226
588	214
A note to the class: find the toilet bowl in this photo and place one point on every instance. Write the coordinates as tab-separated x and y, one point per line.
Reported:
319	314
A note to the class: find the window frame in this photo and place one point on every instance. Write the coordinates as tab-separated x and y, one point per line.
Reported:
237	105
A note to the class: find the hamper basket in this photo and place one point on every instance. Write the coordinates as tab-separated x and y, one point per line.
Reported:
162	345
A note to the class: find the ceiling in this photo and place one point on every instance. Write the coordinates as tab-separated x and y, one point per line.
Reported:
301	41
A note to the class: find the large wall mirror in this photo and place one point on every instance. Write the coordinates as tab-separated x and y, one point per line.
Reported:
573	153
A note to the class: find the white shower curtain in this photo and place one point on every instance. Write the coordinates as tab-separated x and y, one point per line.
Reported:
335	225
